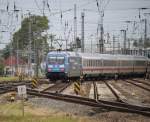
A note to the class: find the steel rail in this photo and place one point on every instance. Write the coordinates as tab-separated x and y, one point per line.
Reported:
95	91
103	101
64	87
6	90
14	83
84	98
148	84
57	88
89	102
107	102
113	91
138	85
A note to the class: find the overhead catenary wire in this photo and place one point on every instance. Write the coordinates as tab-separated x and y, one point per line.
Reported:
38	6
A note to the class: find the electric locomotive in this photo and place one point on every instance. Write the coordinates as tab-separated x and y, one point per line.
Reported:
62	65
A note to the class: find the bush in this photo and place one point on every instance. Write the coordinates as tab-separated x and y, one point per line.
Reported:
1	69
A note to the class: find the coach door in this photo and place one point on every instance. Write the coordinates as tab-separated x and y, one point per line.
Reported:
74	66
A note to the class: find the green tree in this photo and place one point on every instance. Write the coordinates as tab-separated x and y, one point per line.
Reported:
1	66
6	51
21	38
38	25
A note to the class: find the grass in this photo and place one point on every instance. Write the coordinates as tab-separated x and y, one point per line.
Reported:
12	112
33	119
11	78
8	78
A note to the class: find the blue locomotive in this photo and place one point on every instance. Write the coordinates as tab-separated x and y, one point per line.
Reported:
62	65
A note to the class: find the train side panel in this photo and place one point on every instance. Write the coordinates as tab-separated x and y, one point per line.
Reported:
126	66
140	66
74	69
91	66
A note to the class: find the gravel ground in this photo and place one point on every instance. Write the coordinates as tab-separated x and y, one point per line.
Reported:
86	113
75	109
131	92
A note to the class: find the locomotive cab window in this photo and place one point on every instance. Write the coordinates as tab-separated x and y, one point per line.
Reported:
56	60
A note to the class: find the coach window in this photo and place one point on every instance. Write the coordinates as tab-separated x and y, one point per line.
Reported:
99	63
140	63
84	63
91	62
106	62
96	62
88	62
123	63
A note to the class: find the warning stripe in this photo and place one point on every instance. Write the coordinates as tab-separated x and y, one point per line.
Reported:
34	82
76	91
77	86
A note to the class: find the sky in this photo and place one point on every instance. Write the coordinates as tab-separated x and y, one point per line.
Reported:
116	13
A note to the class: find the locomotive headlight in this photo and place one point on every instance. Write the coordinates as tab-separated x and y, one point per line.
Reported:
49	69
62	69
61	66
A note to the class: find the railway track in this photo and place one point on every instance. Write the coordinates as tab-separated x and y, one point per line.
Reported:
8	87
122	107
140	86
119	101
57	88
14	83
109	105
143	82
118	98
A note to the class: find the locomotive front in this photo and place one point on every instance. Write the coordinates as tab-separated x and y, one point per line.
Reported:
55	66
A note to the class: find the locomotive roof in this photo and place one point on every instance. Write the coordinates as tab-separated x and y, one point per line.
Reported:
67	53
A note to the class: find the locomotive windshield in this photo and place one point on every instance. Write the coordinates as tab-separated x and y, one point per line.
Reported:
56	60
